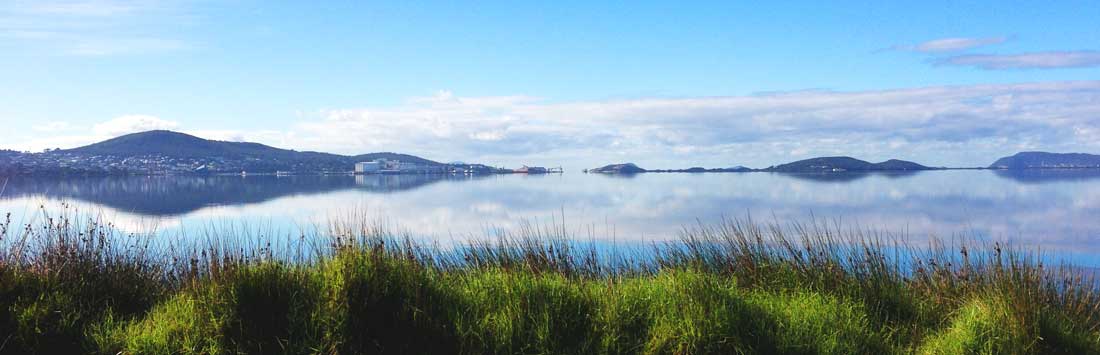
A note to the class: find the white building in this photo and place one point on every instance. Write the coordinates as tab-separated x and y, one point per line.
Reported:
385	166
368	167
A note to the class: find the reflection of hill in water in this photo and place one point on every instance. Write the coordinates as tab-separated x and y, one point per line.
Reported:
1038	176
618	175
849	176
176	195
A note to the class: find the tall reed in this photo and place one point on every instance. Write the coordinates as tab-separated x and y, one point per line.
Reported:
71	284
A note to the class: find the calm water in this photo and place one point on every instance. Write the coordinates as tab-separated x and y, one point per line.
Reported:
1057	210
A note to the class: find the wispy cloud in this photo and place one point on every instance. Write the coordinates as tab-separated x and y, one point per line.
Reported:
952	44
132	123
84	8
1035	60
91	27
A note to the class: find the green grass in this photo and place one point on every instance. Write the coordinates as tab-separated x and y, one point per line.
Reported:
735	288
984	325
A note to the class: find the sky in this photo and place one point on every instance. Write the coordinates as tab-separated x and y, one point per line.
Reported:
564	83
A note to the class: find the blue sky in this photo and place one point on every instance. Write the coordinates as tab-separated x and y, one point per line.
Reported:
562	83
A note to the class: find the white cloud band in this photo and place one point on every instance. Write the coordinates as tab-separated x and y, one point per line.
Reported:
1036	60
952	44
952	125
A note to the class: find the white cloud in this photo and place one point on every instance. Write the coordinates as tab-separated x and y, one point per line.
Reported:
132	123
60	134
953	44
951	125
1035	60
488	135
963	125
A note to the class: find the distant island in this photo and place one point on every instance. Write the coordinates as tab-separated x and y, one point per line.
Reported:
1023	160
1044	160
624	168
812	165
842	164
631	168
172	153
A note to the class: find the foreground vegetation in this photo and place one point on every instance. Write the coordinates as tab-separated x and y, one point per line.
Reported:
79	286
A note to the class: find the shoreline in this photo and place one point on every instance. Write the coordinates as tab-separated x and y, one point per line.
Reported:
655	171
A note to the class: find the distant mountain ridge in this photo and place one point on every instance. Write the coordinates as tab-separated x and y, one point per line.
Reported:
182	145
176	144
843	163
1045	160
166	152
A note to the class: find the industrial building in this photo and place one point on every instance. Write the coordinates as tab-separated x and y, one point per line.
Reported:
369	167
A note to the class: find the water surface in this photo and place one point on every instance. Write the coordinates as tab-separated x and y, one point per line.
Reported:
1054	209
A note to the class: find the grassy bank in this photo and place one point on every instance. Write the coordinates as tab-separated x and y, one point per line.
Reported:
82	287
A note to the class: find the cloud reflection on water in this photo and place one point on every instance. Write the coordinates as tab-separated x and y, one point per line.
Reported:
1056	209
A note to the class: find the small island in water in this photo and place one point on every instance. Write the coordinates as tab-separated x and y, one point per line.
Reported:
1044	160
842	164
